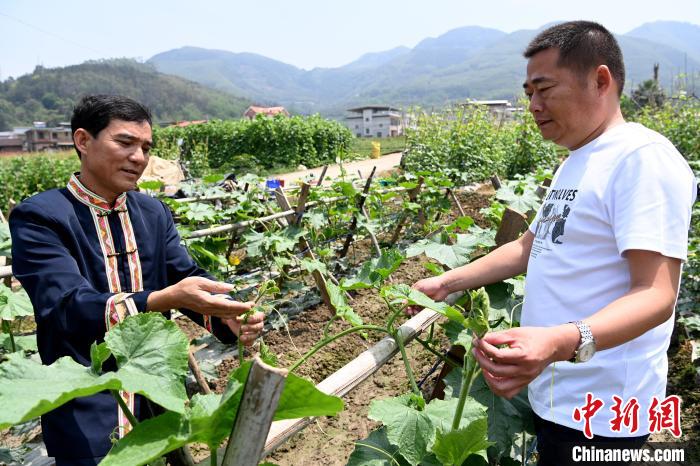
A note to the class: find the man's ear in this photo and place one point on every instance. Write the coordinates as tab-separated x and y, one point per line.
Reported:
82	139
604	80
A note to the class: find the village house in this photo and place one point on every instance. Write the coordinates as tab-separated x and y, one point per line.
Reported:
43	138
375	121
254	111
13	141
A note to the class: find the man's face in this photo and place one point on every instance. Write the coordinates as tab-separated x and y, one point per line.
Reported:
566	106
113	162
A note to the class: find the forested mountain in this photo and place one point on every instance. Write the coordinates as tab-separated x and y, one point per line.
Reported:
468	62
49	94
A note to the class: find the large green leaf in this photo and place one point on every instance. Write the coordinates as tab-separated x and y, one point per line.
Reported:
29	389
453	447
14	304
457	333
402	293
409	429
506	418
22	342
441	412
149	440
151	354
376	450
522	202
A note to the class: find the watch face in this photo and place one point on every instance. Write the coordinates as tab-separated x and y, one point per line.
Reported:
586	351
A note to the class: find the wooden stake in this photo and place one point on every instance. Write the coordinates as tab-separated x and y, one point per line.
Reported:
198	376
496	182
456	201
412	195
513	224
304	244
255	413
360	202
323	174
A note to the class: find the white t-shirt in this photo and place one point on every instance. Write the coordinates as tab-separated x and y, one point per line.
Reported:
627	189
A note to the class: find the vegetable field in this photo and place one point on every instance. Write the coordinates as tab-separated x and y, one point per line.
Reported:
331	266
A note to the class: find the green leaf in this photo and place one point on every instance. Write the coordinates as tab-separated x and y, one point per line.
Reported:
149	440
340	303
479	319
151	354
313	265
441	412
375	271
457	333
14	304
267	355
29	389
403	293
506	418
301	398
376	450
198	212
98	355
5	240
461	223
452	256
22	342
453	447
152	185
434	269
409	429
524	203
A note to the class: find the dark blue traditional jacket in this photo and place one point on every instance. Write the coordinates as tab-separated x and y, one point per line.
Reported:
87	264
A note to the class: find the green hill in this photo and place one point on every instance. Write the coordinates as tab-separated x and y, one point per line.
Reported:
50	94
467	62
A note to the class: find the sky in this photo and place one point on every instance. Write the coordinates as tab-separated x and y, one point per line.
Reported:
304	33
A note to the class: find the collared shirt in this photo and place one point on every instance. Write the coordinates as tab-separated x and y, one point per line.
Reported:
86	264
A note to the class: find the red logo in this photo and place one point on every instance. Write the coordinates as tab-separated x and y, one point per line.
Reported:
627	415
665	415
587	412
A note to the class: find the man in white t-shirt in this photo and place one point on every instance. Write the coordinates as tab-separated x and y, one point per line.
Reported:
603	259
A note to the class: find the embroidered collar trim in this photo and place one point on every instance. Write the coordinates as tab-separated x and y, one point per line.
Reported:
92	200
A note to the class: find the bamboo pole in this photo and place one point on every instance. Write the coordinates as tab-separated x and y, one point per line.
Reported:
323	175
304	244
412	195
255	413
360	201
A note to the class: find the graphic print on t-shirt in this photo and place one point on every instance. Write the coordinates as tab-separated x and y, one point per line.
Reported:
550	226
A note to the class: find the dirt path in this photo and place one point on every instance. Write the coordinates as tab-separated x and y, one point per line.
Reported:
384	163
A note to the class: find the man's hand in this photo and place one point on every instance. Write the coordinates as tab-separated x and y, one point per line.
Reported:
196	293
249	331
508	369
432	287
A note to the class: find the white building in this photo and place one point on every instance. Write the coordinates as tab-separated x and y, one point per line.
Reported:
375	121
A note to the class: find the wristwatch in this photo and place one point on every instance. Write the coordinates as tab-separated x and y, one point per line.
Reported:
586	346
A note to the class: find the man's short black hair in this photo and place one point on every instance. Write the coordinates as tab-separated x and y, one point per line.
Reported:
93	113
583	45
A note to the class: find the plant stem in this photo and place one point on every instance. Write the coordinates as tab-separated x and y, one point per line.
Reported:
122	404
444	358
214	459
467	378
409	372
331	339
399	342
7	329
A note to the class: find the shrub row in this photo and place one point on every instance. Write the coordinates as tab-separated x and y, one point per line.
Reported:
235	145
